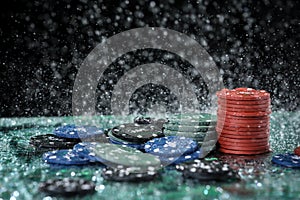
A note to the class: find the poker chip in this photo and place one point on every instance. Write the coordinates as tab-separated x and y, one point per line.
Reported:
143	120
287	160
203	170
199	119
243	94
77	132
244	152
86	150
51	141
125	156
64	157
243	121
171	146
174	160
137	133
184	128
197	136
231	129
67	187
123	174
118	141
244	102
297	151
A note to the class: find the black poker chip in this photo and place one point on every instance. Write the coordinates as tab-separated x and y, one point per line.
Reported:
52	142
67	187
137	133
122	174
143	120
202	170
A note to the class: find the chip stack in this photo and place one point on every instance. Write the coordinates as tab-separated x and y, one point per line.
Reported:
198	126
243	121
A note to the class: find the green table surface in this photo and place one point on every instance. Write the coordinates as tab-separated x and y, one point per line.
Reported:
21	171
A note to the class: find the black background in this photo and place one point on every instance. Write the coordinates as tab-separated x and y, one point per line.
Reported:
254	43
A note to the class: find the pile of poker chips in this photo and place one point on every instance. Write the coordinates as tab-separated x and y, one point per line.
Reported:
291	160
198	126
122	162
243	121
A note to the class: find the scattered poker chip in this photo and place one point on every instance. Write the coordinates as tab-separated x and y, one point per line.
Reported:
21	147
287	160
197	136
174	160
143	120
297	151
243	152
67	187
137	133
184	128
73	131
86	150
202	170
243	94
64	157
123	174
118	141
171	146
201	119
52	142
125	156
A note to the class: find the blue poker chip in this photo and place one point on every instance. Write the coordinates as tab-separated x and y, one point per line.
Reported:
64	157
171	146
73	131
85	149
287	160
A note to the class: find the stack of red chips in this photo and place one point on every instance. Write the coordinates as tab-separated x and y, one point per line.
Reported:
243	121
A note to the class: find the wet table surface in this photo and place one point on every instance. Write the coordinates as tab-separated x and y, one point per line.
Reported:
21	171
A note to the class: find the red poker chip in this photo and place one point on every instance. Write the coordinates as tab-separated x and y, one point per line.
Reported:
241	125
244	103
247	141
246	148
226	104
230	109
243	94
238	144
244	133
297	151
236	136
243	118
243	121
243	114
243	152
